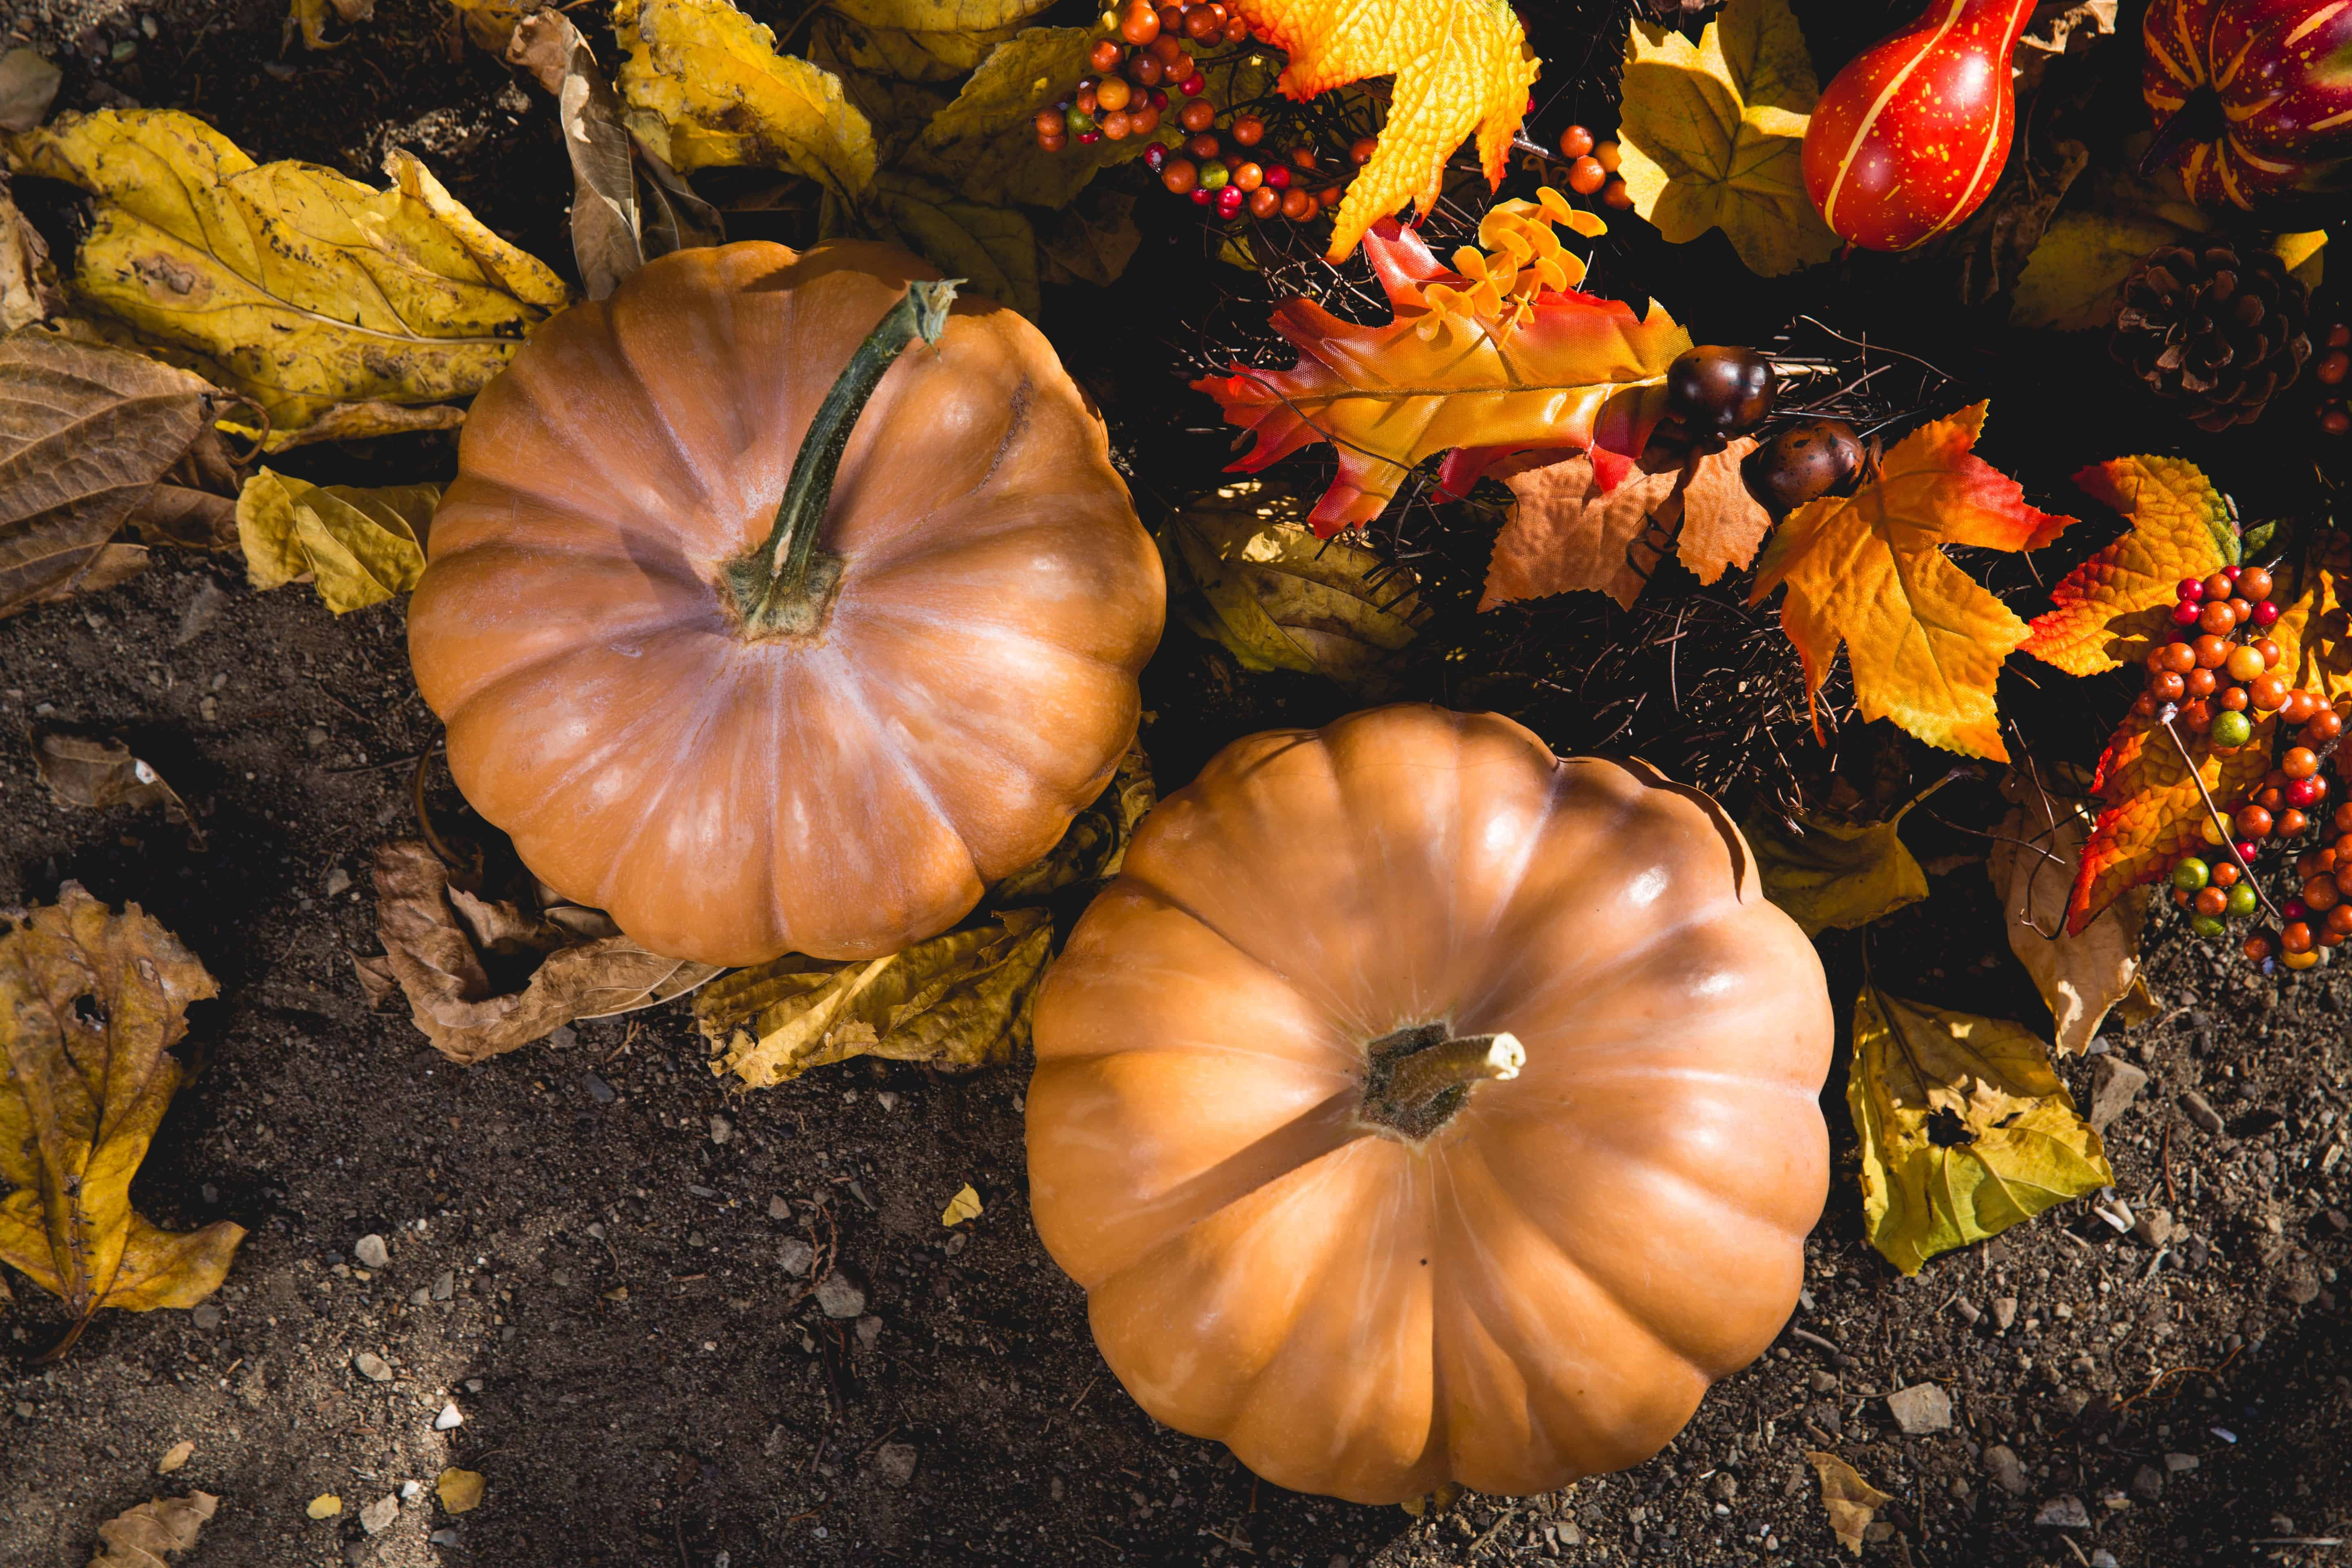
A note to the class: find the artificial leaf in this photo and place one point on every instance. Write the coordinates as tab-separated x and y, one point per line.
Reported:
90	1004
1965	1128
959	1001
2032	863
992	249
981	144
460	1492
604	227
29	85
1246	572
1925	642
964	1205
1827	874
1849	1502
94	771
491	23
1095	845
704	86
145	1536
298	287
436	936
1713	135
29	291
359	547
1461	364
2114	607
1461	66
309	18
1564	531
86	433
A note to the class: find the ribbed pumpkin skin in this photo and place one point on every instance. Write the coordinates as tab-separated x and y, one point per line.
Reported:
1910	137
1545	1286
2283	71
841	794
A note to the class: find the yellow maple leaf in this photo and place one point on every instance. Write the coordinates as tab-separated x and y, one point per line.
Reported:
1924	640
1459	65
90	1004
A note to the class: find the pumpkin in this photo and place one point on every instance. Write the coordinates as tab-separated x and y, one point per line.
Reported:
1418	1107
746	727
2253	98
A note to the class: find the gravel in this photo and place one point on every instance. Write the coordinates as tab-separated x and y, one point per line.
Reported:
1921	1409
372	1252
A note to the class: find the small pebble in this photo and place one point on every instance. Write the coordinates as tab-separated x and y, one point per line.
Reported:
1968	1310
371	1251
1822	1382
2004	1312
441	1538
377	1517
2178	1463
2155	1227
373	1367
2008	1472
206	1316
449	1419
870	1329
563	1036
795	1256
722	1130
338	881
2201	1113
444	1285
409	1490
2065	1513
420	1297
2115	1084
598	1089
2147	1484
2103	1558
894	1464
839	1296
1922	1408
780	1206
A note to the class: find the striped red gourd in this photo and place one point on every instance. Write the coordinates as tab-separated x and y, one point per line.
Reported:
1910	137
2253	98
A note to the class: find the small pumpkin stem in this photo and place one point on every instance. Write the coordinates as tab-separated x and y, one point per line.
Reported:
1420	1078
773	585
2198	119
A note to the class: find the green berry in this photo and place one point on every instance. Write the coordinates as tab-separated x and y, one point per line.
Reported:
2205	925
2231	729
1213	175
2242	902
2191	874
1078	121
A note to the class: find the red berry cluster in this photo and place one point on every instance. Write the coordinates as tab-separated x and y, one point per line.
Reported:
1593	167
1223	172
2219	667
2331	370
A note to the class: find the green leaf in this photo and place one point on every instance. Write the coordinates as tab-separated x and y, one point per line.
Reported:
983	143
1713	135
959	1001
1245	571
359	547
994	248
1965	1128
1833	874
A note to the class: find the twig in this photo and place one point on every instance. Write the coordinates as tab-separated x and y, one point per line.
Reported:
1813	1339
2164	717
2172	1189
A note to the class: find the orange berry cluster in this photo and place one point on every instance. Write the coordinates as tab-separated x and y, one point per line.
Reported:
2219	668
1593	167
2331	370
2314	908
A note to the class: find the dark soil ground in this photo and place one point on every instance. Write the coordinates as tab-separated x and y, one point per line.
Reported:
586	1236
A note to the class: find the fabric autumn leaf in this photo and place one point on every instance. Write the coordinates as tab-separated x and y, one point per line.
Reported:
1460	66
2110	610
312	293
1924	640
1513	357
90	1004
1566	532
1965	1128
1713	133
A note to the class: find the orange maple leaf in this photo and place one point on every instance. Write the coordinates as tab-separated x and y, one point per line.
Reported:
1459	65
1567	532
1463	366
1924	641
2115	605
2151	812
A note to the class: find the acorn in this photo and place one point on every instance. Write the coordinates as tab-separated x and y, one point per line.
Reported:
1718	390
1803	462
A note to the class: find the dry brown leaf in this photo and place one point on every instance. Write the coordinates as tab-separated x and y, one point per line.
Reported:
435	937
90	1004
141	1537
98	771
177	1455
1566	533
86	432
2032	863
29	85
1849	1501
1096	843
29	291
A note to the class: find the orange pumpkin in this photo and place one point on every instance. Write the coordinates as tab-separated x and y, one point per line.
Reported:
745	727
1418	1107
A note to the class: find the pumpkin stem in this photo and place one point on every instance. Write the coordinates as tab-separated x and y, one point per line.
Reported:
782	588
1420	1077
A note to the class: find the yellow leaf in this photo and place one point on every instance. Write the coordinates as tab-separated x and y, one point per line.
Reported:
460	1490
1713	135
1849	1501
964	1205
309	17
491	23
1924	640
1245	571
704	86
922	41
983	144
326	1505
960	1001
90	1004
1840	875
992	249
1965	1128
142	1536
177	1455
1461	66
293	284
359	547
2035	855
1095	846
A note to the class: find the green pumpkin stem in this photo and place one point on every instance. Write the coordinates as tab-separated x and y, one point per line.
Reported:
782	588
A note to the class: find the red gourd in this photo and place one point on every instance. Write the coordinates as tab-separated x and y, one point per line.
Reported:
2253	98
1910	137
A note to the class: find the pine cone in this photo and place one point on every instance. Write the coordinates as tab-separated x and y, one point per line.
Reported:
2218	327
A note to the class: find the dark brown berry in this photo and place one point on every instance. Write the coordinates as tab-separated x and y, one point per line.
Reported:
1804	461
1720	389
